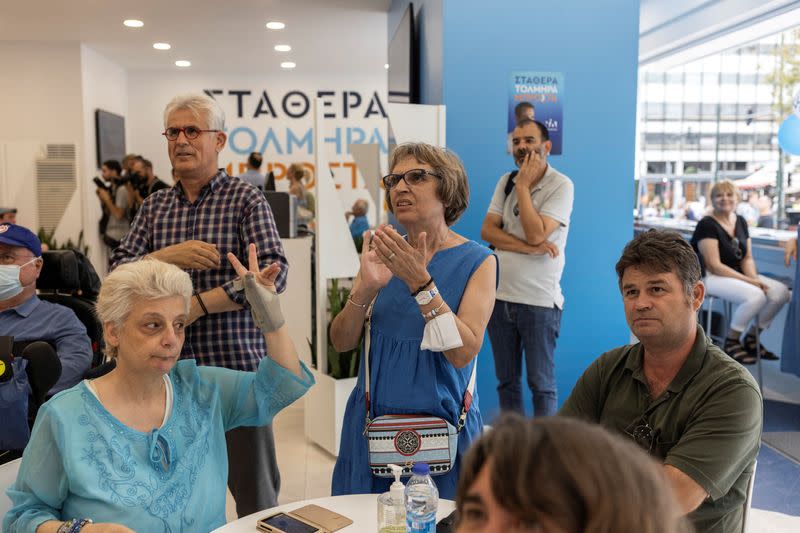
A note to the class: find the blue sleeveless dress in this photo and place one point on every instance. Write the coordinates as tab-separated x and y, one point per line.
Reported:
790	355
407	380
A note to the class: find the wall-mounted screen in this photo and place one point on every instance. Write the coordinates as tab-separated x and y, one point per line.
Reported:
403	61
110	131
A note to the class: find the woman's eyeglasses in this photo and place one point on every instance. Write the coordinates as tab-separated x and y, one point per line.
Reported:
737	249
191	132
411	177
643	435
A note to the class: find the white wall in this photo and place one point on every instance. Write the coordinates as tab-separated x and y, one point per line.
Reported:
149	92
105	86
40	102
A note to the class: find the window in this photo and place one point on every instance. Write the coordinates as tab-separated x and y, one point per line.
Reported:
696	167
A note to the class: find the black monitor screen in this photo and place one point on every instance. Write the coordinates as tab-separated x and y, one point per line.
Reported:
110	130
403	66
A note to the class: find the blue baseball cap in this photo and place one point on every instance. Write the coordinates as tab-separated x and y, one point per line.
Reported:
14	235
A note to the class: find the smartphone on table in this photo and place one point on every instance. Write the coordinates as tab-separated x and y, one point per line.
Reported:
308	519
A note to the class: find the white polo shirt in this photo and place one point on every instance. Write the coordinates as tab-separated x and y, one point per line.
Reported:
534	279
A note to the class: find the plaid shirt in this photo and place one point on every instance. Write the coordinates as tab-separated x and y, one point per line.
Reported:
230	214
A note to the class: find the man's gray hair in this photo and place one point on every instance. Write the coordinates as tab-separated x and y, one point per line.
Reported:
148	279
203	107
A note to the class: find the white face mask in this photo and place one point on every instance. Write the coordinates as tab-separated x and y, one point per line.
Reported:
10	285
441	334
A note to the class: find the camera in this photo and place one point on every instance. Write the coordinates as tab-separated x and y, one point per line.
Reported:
100	183
135	179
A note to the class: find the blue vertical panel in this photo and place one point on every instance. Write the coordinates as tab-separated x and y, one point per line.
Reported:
594	44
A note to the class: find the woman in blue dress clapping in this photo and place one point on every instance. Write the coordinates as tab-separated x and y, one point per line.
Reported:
432	273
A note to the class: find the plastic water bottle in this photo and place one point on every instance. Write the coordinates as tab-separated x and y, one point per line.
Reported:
422	499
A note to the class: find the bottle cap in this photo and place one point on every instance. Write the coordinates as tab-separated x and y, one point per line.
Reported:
420	469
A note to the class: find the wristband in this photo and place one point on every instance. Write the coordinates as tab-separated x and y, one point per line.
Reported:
202	305
433	312
422	286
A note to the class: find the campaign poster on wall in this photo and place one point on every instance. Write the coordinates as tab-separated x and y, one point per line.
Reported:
540	96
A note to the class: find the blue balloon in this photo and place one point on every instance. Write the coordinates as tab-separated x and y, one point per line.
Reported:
789	135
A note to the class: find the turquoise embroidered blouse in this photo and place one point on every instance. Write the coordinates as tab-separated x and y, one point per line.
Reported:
82	462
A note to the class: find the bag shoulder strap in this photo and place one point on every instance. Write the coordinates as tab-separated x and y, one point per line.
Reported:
510	182
465	404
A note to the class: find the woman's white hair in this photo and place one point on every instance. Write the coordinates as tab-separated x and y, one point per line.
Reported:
202	107
148	279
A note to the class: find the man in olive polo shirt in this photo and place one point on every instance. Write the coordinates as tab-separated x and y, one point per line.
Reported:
675	393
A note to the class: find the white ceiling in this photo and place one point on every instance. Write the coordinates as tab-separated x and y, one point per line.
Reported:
219	35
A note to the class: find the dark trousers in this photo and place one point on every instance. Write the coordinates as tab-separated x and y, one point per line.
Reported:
516	328
253	475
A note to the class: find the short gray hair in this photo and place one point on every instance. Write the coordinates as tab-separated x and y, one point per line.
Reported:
201	106
148	279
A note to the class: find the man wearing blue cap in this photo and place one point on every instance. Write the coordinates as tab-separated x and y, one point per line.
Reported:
27	318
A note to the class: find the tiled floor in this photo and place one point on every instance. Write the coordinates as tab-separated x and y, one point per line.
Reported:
306	469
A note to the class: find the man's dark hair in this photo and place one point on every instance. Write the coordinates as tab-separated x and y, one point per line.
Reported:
255	160
147	164
659	251
113	164
541	127
520	107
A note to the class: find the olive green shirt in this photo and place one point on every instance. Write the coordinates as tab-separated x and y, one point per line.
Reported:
707	423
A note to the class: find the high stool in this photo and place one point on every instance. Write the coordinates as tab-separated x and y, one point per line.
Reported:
727	312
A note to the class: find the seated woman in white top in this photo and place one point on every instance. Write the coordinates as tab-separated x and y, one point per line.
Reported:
722	242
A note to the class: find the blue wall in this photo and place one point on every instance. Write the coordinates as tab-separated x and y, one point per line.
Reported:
595	45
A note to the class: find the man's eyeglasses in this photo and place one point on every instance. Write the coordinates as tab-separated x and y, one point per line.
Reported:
191	132
412	177
642	434
737	250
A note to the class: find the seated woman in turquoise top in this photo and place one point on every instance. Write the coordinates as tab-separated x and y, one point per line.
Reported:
142	448
454	278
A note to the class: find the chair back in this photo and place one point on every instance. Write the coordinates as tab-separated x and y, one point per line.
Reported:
8	475
69	279
44	369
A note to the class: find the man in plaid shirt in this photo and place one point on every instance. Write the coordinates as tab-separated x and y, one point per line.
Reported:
193	225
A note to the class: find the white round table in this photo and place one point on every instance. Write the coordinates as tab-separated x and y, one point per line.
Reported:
362	509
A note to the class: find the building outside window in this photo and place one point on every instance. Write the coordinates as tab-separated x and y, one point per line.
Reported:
717	118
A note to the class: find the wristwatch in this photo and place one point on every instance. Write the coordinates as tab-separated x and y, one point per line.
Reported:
426	297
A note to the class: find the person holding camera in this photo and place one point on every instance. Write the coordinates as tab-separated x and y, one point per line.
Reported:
143	181
116	201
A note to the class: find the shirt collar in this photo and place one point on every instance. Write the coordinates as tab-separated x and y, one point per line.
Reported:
212	187
690	367
26	308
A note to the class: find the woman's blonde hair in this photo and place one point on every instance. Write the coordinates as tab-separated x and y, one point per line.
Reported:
453	189
148	279
576	474
721	187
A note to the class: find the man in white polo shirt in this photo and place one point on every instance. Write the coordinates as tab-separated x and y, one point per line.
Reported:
527	224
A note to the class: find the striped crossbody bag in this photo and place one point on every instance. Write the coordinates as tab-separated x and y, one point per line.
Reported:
407	439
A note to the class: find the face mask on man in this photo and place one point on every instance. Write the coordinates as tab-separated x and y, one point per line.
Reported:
10	285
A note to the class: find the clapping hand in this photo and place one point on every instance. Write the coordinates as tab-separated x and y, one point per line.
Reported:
407	262
374	273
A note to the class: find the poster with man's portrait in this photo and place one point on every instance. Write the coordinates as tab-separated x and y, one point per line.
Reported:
538	96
